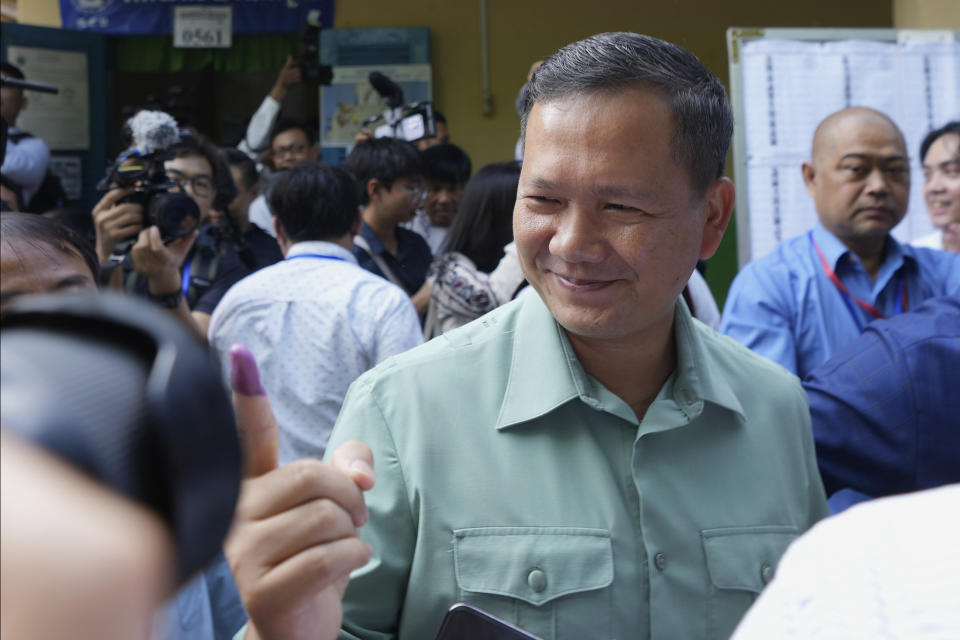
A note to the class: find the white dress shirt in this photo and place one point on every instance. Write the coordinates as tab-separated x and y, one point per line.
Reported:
314	325
25	163
259	214
931	241
882	569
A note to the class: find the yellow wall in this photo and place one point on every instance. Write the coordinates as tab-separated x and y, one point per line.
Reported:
926	14
526	30
41	13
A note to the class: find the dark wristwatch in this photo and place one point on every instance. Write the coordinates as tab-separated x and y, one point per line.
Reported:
168	300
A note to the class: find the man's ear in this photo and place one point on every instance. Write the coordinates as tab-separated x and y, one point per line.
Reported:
718	206
312	153
373	188
809	175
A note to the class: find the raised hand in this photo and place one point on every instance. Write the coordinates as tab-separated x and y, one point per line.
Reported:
294	538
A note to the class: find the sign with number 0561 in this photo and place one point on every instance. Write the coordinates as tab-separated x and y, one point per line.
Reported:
202	26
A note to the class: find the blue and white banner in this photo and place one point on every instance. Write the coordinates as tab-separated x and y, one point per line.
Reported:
137	17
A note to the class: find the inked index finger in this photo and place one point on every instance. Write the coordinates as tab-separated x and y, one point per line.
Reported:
258	426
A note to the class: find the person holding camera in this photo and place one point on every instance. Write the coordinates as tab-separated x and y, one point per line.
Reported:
187	274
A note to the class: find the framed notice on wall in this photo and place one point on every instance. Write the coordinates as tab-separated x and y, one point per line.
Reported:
62	119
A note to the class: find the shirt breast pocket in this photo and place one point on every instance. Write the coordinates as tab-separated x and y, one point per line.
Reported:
550	581
740	562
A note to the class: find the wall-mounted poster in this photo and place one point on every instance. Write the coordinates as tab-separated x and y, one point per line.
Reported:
350	99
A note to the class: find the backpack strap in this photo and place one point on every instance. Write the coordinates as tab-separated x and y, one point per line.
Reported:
361	242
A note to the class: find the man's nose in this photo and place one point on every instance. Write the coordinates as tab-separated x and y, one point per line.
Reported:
577	237
878	182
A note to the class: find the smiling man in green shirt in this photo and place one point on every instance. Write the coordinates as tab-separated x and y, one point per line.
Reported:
588	461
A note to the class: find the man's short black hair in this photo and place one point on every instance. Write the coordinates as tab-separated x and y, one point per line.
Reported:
384	159
239	160
951	127
288	124
446	163
314	201
612	62
11	71
40	232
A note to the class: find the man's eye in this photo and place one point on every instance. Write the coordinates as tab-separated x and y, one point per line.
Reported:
621	207
897	169
858	170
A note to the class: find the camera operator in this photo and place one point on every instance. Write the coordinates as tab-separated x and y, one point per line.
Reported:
189	274
256	139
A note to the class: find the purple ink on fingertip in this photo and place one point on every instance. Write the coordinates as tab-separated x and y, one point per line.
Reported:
244	374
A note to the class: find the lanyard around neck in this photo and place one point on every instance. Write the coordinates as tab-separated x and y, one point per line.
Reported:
900	302
322	256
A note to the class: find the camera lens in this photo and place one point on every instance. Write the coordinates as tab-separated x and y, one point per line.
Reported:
176	214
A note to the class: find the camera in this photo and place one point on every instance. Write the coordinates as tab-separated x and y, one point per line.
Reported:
140	168
409	122
308	52
172	211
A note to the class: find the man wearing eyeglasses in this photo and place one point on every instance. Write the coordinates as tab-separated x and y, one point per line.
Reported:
190	274
291	144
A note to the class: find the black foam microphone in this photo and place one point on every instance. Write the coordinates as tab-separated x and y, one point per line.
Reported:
387	88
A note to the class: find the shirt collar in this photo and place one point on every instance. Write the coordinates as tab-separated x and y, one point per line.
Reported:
895	254
831	246
545	372
320	247
372	239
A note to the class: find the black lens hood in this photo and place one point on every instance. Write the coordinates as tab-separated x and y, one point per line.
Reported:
128	394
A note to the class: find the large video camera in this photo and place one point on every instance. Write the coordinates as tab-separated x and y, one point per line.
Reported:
140	168
410	122
308	52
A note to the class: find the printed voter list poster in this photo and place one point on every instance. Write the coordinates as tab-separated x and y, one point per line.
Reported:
61	120
350	100
789	86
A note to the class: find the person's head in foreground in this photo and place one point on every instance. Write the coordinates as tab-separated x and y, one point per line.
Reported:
40	255
622	187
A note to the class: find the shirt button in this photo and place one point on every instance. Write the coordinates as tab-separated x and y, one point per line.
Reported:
537	580
766	573
660	561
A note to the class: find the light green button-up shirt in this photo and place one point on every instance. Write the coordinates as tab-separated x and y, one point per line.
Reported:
509	478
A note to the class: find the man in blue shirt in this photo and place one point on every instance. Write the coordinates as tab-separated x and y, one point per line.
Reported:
815	293
389	174
885	408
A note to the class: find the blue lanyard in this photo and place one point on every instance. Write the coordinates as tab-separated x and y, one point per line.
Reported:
315	255
185	284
